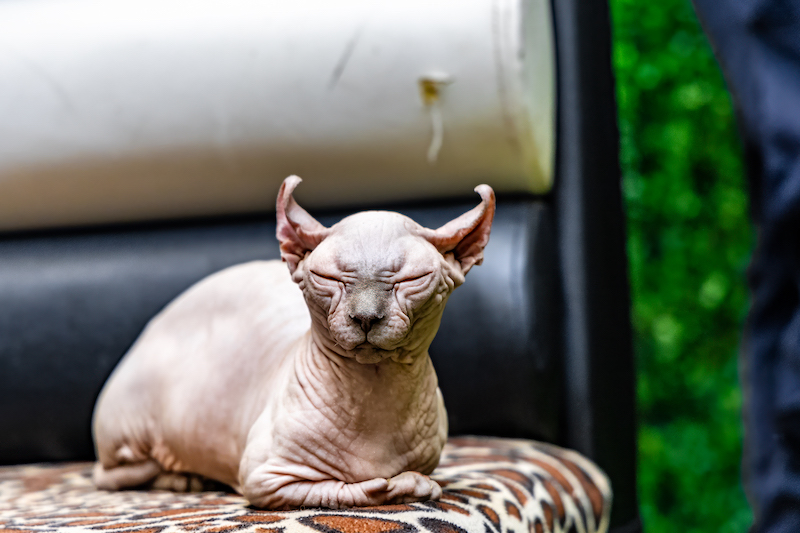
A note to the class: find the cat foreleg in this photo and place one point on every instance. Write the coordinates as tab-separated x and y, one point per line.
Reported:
271	490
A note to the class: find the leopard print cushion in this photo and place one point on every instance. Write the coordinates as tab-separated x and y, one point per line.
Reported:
490	486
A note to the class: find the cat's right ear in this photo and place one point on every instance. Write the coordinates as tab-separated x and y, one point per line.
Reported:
297	231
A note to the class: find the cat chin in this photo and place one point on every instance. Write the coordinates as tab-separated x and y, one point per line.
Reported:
368	354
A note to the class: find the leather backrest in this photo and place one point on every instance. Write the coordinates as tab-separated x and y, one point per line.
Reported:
72	304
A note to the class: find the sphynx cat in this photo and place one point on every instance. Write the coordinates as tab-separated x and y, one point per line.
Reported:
328	402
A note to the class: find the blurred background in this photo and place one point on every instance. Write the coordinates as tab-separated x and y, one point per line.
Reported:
689	242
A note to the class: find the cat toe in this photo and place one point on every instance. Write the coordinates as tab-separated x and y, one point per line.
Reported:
373	486
413	487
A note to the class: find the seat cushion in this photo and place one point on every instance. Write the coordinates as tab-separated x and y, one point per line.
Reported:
490	485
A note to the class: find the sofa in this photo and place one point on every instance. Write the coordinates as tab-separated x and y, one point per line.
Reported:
115	197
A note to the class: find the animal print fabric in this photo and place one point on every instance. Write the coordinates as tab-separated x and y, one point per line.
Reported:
490	486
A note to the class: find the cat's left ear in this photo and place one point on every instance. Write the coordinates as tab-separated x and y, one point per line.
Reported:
467	235
297	231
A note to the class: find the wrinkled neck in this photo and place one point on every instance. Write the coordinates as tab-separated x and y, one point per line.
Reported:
345	373
365	391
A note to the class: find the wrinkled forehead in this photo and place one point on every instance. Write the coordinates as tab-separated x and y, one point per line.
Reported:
375	241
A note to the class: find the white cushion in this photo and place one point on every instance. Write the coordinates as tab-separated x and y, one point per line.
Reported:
121	110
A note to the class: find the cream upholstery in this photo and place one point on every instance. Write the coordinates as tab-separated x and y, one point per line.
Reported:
120	110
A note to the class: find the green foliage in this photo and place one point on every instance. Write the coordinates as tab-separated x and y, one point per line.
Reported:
689	243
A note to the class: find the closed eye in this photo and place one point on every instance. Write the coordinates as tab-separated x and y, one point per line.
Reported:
415	278
324	276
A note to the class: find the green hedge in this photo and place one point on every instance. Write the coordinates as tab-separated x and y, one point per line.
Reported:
689	240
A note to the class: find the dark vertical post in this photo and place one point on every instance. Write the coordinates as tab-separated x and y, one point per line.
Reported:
599	369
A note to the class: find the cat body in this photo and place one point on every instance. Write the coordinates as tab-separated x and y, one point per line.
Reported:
323	396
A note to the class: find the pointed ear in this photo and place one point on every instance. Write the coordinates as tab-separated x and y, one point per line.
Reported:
297	231
467	235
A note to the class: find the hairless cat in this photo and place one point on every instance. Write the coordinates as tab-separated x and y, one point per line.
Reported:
332	401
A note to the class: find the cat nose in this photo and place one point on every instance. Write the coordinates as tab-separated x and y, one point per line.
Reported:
367	305
366	319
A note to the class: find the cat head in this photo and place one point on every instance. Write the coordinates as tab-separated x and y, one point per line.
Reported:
376	282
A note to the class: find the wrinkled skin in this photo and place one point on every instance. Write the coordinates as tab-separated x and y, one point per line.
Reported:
232	381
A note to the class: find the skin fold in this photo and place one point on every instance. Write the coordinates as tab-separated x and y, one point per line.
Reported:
319	397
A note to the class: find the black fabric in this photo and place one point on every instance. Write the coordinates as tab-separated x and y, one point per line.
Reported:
72	304
758	45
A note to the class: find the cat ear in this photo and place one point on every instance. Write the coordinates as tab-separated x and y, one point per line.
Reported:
467	235
297	231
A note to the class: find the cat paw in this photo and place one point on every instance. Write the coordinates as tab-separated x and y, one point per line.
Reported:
274	492
271	490
124	476
178	482
410	487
